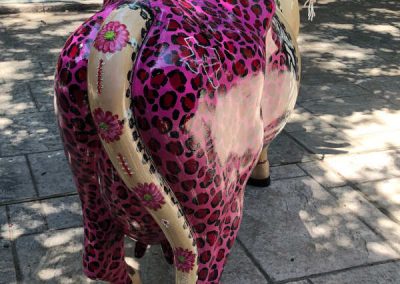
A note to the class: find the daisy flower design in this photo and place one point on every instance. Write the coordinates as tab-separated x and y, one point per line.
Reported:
184	259
113	37
150	195
109	127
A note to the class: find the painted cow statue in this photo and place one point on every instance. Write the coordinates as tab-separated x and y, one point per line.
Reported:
166	109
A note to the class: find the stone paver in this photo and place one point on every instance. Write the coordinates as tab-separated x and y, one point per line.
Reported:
154	269
284	150
367	166
26	218
324	141
19	71
7	270
334	141
27	133
334	201
385	194
308	227
15	182
357	114
302	120
365	114
15	99
352	201
43	93
52	173
329	91
286	171
240	269
386	87
4	229
323	174
63	212
52	257
377	274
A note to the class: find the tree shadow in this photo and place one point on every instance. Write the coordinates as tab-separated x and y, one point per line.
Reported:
350	83
30	45
350	71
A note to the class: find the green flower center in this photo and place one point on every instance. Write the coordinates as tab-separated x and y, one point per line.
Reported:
148	197
103	126
109	35
181	259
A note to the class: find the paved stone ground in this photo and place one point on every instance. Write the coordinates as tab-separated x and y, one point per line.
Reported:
332	214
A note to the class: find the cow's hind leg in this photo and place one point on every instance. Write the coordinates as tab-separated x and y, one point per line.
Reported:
103	256
260	176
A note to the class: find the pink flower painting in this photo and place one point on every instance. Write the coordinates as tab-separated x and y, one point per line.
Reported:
108	125
184	259
113	37
150	195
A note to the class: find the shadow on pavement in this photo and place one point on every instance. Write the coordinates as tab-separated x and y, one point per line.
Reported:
347	116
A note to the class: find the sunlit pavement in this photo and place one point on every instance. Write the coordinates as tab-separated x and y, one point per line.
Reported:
332	213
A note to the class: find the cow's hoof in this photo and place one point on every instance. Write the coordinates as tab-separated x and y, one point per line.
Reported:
136	278
134	275
265	182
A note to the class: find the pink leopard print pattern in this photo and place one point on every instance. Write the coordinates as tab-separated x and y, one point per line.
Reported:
203	54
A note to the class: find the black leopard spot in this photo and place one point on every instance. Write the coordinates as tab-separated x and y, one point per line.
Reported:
168	100
163	125
188	185
201	199
188	102
202	39
214	217
142	75
199	228
150	94
256	9
154	145
212	237
239	68
173	167
140	104
202	213
177	80
65	77
205	257
203	273
213	275
158	78
143	124
191	166
216	200
197	82
173	25
175	148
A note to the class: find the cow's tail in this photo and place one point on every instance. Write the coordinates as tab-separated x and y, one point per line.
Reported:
109	64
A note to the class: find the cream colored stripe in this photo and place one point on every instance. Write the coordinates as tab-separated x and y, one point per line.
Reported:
112	98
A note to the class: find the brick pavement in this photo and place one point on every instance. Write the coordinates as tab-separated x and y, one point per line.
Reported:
332	214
